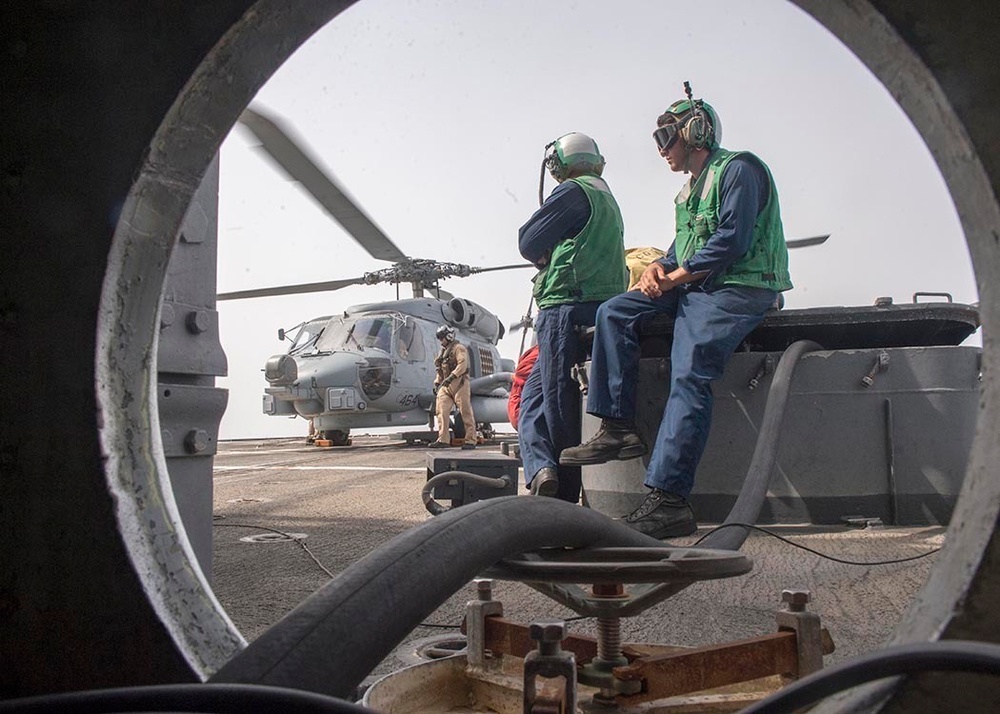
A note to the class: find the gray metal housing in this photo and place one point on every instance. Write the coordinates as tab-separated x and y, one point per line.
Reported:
896	450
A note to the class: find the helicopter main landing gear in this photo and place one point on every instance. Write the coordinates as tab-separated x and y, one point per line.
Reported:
333	437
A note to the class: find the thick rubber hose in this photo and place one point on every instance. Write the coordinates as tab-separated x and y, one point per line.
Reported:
330	642
754	491
215	698
942	656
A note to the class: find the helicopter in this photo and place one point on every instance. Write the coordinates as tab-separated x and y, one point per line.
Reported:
372	365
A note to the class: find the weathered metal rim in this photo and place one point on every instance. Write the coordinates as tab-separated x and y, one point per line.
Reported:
182	149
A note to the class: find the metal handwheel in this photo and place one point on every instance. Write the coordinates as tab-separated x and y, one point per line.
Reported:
622	565
656	573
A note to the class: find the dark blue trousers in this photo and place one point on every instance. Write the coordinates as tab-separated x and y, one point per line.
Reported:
708	326
549	420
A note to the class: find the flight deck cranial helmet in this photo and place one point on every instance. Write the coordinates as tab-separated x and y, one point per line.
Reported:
573	152
695	122
446	333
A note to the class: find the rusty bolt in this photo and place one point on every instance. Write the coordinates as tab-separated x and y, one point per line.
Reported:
796	599
547	630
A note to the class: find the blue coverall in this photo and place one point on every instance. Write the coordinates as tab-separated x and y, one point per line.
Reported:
709	323
549	419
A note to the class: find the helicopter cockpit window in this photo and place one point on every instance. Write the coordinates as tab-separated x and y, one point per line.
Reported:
361	334
409	342
305	340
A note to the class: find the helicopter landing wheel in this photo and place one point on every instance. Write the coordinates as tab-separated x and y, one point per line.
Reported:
486	430
337	437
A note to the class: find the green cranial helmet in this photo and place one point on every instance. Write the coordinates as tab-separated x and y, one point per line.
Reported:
697	123
573	152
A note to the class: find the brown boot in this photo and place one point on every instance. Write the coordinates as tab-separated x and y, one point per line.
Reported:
615	440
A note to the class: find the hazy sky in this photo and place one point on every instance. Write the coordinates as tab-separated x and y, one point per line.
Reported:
434	114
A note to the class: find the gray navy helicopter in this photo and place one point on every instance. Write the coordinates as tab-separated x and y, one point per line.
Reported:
372	365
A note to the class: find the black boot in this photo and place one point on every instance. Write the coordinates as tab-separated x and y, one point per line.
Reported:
545	483
662	515
615	440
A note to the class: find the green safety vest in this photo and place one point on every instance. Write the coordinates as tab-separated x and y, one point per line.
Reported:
590	266
765	264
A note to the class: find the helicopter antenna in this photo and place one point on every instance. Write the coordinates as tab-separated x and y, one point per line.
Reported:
687	91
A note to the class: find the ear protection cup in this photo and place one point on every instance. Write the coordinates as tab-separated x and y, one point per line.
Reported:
697	130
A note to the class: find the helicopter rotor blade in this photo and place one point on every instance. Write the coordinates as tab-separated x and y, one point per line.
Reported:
290	289
806	242
502	267
299	166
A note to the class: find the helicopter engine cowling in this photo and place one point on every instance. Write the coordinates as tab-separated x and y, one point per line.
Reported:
281	370
467	315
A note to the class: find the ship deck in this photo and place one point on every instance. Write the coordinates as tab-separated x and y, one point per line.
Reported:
347	501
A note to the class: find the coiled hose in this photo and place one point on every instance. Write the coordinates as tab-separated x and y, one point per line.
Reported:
940	656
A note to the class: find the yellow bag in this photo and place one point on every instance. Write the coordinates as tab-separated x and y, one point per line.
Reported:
636	259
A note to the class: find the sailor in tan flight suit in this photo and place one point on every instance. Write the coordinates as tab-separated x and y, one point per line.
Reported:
451	385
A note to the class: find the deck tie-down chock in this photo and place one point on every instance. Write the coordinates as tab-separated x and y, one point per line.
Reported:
625	582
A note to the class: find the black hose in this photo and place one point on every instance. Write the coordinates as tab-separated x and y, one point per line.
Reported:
216	698
941	656
754	491
435	508
330	642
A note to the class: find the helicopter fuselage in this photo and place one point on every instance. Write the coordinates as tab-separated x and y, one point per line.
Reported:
373	365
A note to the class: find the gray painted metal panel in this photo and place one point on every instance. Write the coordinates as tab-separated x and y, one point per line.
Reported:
896	450
189	357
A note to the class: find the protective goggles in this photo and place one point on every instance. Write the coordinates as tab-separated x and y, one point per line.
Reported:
666	135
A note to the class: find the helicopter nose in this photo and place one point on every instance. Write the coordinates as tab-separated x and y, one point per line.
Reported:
280	370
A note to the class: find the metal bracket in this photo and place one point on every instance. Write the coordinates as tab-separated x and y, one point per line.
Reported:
881	364
766	368
477	654
549	661
806	625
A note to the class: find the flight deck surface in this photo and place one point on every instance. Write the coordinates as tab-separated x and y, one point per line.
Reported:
347	501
